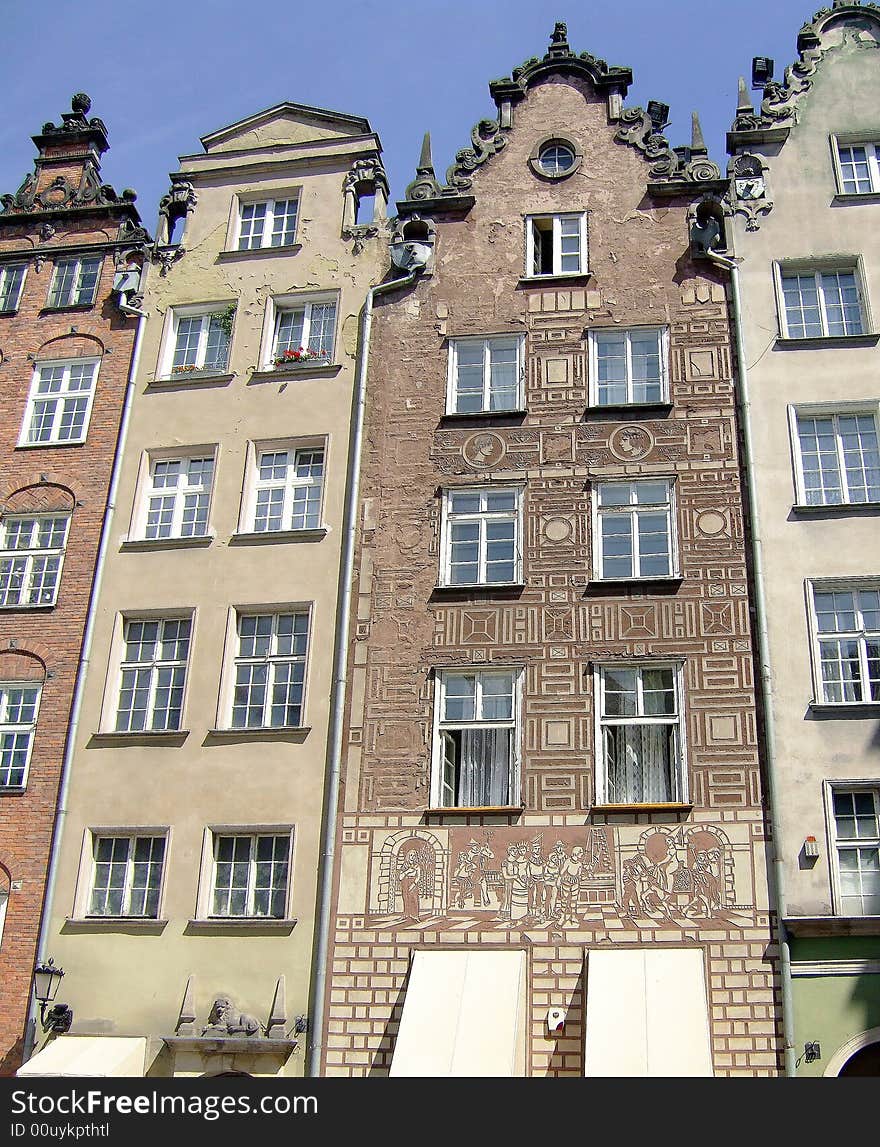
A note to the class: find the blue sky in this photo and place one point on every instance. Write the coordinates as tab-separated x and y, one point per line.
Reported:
164	74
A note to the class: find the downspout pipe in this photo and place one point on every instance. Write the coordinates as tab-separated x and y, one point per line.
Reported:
778	866
79	687
340	681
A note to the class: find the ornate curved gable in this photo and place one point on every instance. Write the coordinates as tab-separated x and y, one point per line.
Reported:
830	28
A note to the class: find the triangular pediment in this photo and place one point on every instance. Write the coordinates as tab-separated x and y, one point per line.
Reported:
285	124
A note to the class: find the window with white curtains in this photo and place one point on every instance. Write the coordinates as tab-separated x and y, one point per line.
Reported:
640	758
476	739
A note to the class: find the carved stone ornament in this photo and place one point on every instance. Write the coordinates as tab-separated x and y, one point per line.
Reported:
364	174
166	257
62	195
75	120
854	23
684	164
360	233
225	1021
175	204
748	196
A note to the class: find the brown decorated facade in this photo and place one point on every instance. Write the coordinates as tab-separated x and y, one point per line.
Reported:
577	857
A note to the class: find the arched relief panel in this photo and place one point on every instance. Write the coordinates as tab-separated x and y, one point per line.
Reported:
71	346
39	498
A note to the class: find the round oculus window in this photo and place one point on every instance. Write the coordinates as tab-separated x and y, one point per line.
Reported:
556	158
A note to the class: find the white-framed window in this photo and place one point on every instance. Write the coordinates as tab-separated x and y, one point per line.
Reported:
485	374
854	817
634	529
287	488
176	497
820	301
640	735
269	669
629	366
152	674
19	706
556	244
74	282
838	455
303	330
477	733
60	402
481	536
846	635
857	166
250	874
266	223
199	341
126	875
31	555
11	283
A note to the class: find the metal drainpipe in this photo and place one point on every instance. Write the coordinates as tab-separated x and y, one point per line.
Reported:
340	682
766	675
64	783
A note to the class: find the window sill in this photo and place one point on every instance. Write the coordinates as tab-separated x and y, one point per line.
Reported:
11	311
140	924
833	925
844	709
185	381
264	733
481	417
157	737
50	445
43	607
572	278
73	308
483	810
845	197
643	806
259	252
645	409
138	545
297	370
267	537
817	342
12	790
645	584
482	587
834	509
218	925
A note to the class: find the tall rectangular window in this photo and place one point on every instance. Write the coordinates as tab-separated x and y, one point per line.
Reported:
270	670
821	303
177	498
556	244
152	674
481	536
126	876
485	375
303	332
848	643
288	489
19	705
635	529
839	458
859	168
11	282
477	739
74	282
640	728
856	813
250	875
271	223
60	403
628	366
31	554
200	342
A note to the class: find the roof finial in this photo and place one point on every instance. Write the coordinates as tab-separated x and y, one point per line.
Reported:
744	100
425	185
698	144
425	165
559	41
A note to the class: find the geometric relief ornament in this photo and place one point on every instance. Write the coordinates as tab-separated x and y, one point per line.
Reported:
711	523
557	529
630	443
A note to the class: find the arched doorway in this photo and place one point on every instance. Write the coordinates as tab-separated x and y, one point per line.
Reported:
859	1056
864	1062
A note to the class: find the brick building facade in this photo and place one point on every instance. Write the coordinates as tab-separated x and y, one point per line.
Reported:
551	763
65	352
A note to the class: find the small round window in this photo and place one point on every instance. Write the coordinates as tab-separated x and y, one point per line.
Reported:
556	159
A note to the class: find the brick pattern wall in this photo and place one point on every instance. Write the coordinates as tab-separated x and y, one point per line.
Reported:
643	874
50	478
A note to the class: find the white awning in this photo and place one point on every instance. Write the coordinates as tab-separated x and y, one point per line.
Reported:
464	1015
89	1055
647	1013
